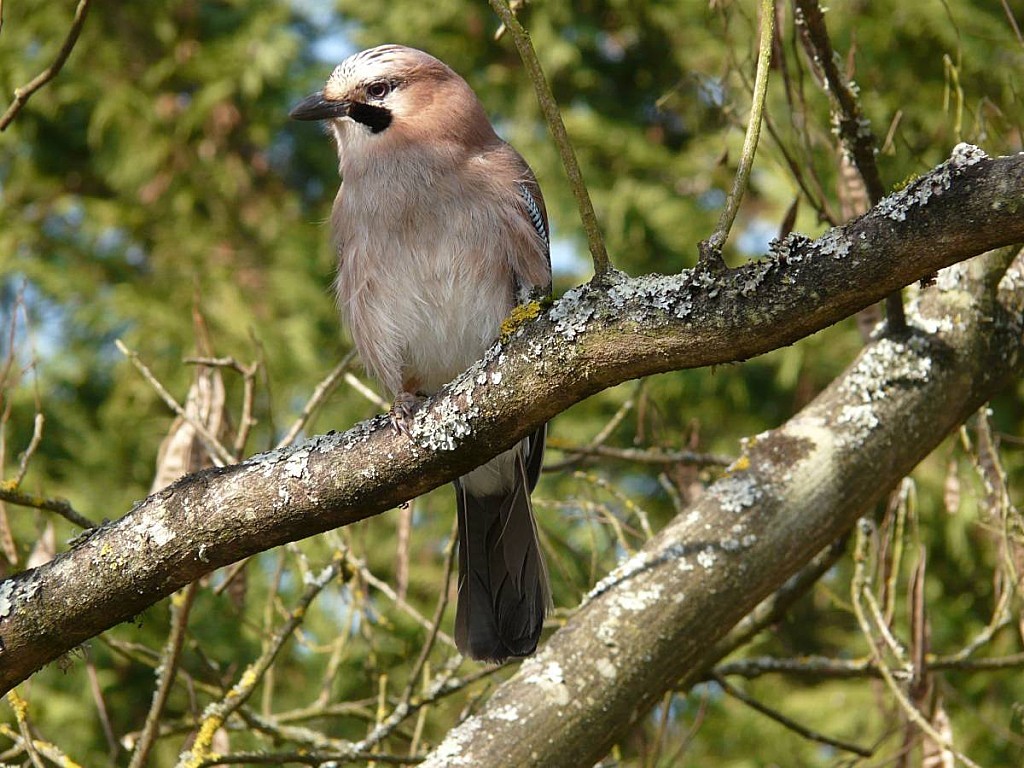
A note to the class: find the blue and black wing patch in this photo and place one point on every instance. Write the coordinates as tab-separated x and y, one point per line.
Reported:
536	217
526	292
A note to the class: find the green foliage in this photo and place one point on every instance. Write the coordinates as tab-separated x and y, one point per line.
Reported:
158	179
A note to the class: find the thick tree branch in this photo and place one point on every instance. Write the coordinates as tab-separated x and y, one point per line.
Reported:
656	619
591	339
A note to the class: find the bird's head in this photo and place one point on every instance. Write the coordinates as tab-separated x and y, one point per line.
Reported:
392	96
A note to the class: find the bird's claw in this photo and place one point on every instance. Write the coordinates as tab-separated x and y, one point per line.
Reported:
403	411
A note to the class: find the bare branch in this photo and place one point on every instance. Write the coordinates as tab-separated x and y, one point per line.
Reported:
22	95
218	453
641	455
859	588
10	493
711	249
217	714
181	606
789	723
549	107
822	667
591	339
659	615
854	128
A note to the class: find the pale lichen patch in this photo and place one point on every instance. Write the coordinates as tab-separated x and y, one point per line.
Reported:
295	465
508	713
450	420
157	532
6	597
737	492
885	364
572	313
606	668
623	571
833	243
638	600
860	418
550	678
452	751
789	250
706	558
897	205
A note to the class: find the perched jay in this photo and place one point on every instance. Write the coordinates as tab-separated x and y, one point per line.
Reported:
440	230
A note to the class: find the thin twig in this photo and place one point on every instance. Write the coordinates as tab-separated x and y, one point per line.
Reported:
101	706
442	603
1013	21
775	607
321	393
220	455
669	486
600	437
822	667
998	503
231	575
10	493
21	95
642	455
181	605
903	503
248	373
655	754
382	586
217	713
218	362
20	709
896	647
305	758
421	716
631	506
711	249
443	686
792	725
353	381
854	128
553	116
304	737
33	444
859	588
247	420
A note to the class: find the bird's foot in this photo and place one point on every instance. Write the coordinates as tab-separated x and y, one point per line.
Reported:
403	411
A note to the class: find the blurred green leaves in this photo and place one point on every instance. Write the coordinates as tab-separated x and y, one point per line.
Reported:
159	176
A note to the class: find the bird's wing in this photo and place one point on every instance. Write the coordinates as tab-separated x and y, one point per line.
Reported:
531	206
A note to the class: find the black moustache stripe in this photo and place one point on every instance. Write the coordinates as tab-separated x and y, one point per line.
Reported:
374	118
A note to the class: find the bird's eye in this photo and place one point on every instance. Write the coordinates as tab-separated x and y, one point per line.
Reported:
378	89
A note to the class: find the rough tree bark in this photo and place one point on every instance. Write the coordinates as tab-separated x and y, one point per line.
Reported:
652	624
594	337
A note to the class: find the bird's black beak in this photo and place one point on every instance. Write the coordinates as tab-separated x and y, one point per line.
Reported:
318	107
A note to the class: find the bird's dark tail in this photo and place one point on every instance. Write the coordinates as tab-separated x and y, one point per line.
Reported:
503	582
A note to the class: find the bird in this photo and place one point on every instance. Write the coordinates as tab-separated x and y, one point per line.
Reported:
440	231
